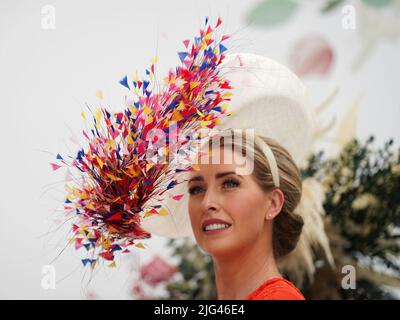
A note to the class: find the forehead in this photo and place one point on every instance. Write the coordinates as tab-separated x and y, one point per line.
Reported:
217	160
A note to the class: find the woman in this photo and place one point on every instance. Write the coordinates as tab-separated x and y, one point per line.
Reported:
245	222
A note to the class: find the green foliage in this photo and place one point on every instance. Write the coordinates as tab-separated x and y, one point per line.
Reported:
196	268
362	222
272	12
330	5
377	3
363	199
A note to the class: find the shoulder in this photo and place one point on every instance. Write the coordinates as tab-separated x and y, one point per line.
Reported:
276	289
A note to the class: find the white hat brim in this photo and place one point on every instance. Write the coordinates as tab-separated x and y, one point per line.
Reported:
268	98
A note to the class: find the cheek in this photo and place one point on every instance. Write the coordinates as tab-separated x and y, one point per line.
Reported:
242	206
245	209
195	215
194	211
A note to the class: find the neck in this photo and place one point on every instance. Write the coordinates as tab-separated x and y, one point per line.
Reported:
240	274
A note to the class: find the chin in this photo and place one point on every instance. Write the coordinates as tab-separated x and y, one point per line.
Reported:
218	247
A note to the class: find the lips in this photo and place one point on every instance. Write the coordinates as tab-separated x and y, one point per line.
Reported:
214	225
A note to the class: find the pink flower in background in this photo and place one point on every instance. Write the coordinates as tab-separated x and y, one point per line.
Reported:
312	54
90	295
138	292
156	271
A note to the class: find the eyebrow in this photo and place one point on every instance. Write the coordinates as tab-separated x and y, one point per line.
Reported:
217	176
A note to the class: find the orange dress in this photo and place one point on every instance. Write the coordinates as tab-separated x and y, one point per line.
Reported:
276	289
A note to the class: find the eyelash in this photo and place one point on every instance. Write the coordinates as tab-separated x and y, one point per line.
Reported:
192	190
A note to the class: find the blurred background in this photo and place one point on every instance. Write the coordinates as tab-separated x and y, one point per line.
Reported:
58	56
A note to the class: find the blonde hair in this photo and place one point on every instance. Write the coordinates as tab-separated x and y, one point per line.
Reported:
287	225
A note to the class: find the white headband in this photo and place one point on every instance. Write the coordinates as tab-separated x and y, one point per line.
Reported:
270	158
265	148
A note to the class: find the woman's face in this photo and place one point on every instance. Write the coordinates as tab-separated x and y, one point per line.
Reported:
238	204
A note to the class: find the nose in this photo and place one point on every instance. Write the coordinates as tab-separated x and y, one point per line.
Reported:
210	202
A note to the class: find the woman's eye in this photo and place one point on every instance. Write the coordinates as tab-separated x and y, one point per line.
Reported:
231	183
227	184
194	190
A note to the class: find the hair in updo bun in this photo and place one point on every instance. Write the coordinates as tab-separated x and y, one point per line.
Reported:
287	225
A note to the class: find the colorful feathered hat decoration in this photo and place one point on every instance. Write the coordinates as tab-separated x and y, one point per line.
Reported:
132	156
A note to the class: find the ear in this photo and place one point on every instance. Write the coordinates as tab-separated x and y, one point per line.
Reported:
276	201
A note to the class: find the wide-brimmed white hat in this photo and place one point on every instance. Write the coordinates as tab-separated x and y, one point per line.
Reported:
268	98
